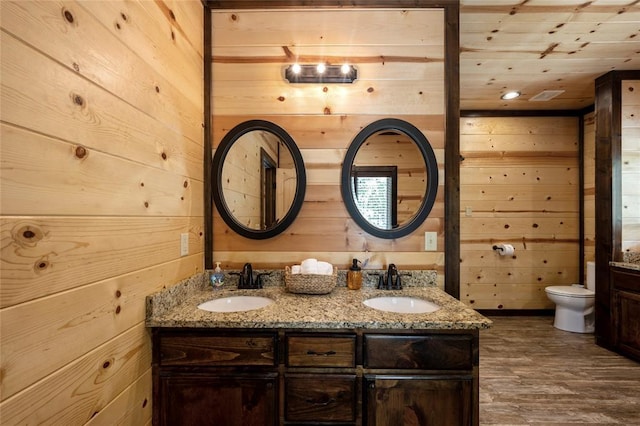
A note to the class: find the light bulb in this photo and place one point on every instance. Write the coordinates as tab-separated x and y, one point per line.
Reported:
296	68
321	68
345	69
510	95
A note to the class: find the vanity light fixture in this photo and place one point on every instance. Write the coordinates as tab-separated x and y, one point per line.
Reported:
321	73
510	95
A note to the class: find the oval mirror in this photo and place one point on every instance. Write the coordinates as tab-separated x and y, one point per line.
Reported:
389	178
258	179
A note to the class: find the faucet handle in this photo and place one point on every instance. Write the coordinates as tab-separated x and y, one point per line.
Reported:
381	284
241	281
259	281
398	283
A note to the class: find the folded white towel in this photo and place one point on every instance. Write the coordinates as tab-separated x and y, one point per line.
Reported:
295	269
325	268
309	266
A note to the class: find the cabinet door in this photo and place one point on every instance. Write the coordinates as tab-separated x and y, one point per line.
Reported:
628	323
236	400
407	400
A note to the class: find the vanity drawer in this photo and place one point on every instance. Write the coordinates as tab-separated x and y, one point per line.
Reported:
320	398
626	280
218	350
432	352
321	351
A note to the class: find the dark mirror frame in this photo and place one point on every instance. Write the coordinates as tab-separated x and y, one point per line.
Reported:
432	177
216	178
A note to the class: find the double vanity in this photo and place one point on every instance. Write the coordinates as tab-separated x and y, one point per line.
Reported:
350	357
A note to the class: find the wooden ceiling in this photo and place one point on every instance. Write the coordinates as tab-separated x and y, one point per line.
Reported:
537	45
526	45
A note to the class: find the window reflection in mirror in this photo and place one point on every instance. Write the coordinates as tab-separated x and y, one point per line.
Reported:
389	179
375	191
259	180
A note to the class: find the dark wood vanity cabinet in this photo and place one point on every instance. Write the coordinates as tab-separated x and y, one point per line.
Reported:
417	400
214	378
304	377
215	399
422	380
626	311
320	383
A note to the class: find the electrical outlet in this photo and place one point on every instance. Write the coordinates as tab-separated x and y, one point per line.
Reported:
431	241
184	244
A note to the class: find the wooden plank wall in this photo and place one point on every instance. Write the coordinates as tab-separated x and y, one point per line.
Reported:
101	161
520	184
589	190
399	55
630	165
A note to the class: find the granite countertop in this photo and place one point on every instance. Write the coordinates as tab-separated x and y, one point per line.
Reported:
340	309
630	260
626	265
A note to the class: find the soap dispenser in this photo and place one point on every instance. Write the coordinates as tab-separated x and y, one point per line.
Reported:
354	276
217	278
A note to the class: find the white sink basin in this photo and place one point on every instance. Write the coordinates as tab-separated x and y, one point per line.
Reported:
235	304
401	305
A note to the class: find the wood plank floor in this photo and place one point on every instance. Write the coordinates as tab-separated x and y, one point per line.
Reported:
534	374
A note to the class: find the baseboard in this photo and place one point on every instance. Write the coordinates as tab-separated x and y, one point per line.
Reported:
518	312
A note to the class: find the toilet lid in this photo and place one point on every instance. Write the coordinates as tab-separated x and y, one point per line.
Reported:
570	290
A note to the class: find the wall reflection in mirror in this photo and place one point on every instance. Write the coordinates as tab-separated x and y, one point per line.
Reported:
389	178
260	179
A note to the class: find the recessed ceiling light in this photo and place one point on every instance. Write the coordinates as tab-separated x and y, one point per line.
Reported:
510	95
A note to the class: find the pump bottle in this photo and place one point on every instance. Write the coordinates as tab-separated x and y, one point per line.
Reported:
354	276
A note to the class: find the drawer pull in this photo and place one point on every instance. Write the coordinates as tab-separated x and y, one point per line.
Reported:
321	402
327	353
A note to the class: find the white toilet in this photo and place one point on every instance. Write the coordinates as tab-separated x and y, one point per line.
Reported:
575	304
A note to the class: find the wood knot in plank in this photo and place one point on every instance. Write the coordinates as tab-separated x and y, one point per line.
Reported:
68	16
81	152
27	235
41	265
77	99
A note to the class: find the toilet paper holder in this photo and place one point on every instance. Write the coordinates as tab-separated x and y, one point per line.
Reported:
504	249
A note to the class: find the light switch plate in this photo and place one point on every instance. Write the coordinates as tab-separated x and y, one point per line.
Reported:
431	241
468	211
184	244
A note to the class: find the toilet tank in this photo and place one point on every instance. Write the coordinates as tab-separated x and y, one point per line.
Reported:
591	276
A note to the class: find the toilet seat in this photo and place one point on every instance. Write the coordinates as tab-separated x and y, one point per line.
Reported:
569	290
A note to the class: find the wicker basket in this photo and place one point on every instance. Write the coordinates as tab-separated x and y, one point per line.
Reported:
309	283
